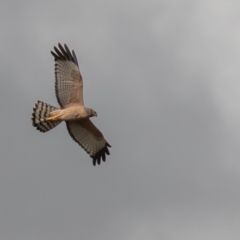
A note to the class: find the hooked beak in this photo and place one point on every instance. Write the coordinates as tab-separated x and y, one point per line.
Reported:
95	114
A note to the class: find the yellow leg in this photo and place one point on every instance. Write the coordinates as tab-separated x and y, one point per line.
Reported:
53	118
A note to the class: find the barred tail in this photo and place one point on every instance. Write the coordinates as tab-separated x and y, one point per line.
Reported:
41	111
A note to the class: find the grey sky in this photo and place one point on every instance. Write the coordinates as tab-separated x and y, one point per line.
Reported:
164	78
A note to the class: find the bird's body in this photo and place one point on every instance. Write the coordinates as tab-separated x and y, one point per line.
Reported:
69	93
71	113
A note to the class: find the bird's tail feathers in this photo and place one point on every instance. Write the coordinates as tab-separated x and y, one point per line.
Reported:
41	111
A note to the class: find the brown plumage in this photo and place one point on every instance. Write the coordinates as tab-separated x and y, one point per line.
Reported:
69	93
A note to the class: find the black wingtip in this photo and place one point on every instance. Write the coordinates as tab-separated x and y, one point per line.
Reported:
101	155
64	54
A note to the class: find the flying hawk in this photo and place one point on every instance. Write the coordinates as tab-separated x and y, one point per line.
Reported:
69	93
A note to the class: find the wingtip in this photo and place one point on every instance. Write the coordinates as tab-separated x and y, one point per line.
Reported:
62	52
65	45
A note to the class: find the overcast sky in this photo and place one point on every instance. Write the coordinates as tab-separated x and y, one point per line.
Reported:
164	78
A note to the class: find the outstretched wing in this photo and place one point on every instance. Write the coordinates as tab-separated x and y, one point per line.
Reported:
68	79
86	134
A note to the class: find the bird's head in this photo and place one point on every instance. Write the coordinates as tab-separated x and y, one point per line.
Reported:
93	113
90	113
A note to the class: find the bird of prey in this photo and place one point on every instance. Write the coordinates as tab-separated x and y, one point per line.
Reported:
69	93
